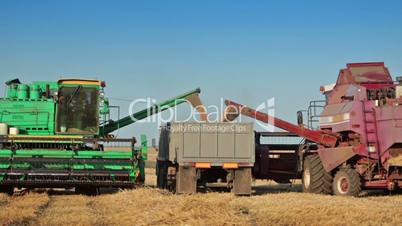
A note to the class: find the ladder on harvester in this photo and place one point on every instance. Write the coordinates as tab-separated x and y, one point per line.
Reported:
370	123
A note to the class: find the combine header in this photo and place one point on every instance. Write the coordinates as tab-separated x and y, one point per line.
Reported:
57	134
359	142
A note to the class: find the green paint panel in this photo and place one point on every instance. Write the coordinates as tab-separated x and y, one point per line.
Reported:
58	160
4	165
43	153
144	147
67	154
50	141
29	116
103	154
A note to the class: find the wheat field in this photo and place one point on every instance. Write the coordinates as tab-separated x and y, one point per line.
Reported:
271	205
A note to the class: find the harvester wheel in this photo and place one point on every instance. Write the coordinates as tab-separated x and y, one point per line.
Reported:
347	182
315	179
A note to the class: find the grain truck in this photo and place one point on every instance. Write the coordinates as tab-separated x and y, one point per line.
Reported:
192	155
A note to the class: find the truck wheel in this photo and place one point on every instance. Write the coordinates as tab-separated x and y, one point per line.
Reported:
315	179
347	182
171	178
230	179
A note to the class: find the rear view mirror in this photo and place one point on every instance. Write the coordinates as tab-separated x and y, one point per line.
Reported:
300	118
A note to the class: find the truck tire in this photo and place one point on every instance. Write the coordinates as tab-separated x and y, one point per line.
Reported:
314	177
347	182
171	178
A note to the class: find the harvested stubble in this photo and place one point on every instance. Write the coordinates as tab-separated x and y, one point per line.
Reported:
20	210
147	206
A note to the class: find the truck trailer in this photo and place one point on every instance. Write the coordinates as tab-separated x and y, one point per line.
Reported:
197	154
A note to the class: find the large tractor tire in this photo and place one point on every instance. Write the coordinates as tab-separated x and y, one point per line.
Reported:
347	182
315	179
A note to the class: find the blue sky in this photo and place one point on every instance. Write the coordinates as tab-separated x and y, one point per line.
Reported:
244	50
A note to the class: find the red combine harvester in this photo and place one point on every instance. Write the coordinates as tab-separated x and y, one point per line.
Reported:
359	141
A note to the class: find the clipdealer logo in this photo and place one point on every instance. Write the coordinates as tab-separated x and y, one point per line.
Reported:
214	113
267	107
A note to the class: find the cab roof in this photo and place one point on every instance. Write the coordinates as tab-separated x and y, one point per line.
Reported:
364	73
79	82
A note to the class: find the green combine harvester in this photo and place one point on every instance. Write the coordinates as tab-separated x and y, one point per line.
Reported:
58	135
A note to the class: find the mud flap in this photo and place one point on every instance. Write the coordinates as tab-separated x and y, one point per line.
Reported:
161	174
242	181
186	180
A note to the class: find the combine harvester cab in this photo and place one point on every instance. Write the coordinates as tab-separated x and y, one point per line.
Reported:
58	135
359	142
